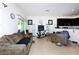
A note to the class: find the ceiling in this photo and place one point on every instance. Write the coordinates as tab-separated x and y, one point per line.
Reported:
49	9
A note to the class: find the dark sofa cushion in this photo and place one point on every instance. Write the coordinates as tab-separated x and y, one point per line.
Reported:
24	41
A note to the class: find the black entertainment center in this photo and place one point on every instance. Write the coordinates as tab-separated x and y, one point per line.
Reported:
68	23
41	31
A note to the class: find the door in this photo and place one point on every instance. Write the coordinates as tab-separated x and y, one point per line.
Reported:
21	24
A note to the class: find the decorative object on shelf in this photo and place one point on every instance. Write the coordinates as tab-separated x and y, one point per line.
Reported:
12	16
50	22
30	22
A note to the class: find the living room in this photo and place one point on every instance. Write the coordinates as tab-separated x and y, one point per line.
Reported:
28	16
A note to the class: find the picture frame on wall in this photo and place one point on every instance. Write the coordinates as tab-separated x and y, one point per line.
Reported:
30	22
50	22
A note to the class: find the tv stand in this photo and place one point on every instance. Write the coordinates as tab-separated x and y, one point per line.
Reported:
41	34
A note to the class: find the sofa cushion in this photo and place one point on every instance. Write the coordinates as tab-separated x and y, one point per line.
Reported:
16	38
10	39
24	41
3	40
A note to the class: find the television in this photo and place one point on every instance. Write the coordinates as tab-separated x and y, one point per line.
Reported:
40	27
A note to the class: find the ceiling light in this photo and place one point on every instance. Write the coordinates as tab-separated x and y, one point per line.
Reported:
73	9
47	10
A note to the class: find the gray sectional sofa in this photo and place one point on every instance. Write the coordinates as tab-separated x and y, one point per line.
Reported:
8	45
57	39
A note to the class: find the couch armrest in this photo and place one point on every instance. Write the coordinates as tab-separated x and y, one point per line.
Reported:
14	49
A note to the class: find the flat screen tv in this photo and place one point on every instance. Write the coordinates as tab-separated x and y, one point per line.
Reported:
40	27
68	22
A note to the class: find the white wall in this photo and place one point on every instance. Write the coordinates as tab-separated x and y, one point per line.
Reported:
8	25
37	20
44	20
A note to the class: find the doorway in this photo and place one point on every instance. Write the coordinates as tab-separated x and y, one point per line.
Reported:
21	24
